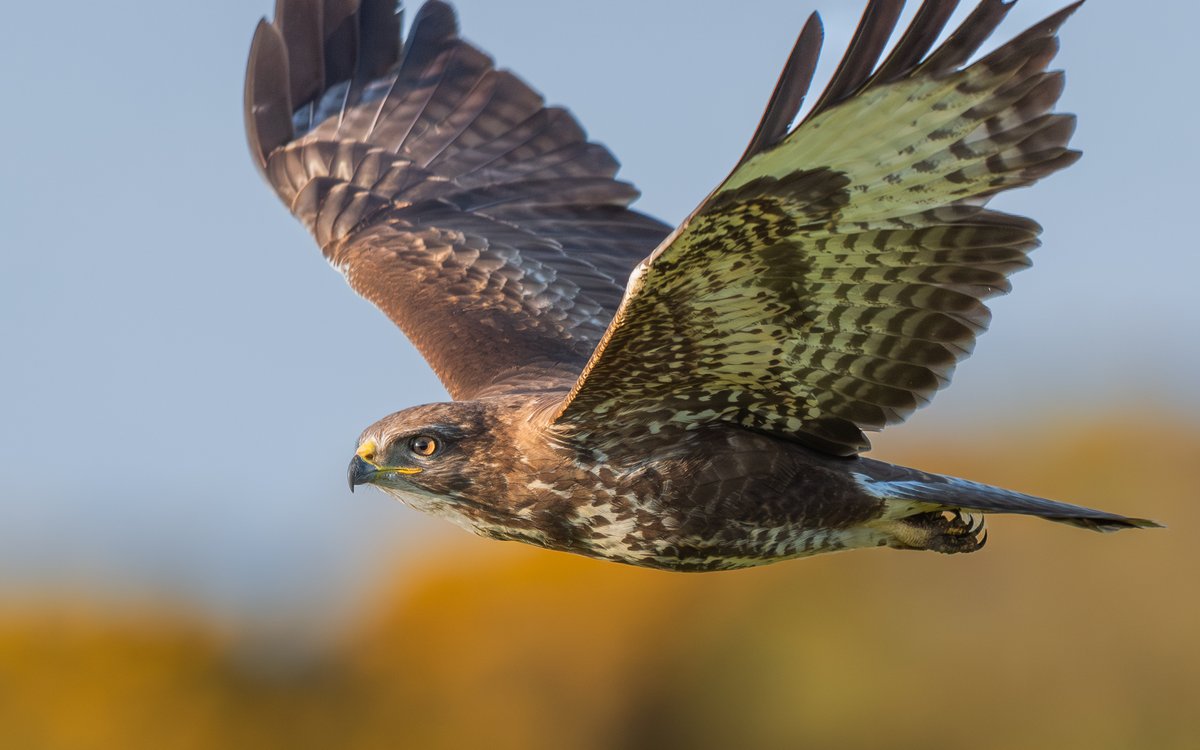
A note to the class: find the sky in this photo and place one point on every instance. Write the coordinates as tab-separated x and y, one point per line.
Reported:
185	377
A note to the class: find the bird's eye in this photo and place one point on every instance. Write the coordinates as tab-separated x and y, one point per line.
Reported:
423	445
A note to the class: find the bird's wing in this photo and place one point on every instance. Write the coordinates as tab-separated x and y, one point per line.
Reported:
482	222
833	281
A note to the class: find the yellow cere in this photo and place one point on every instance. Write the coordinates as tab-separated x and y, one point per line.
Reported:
366	452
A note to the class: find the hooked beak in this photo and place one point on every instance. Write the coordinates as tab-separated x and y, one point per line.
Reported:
360	472
363	468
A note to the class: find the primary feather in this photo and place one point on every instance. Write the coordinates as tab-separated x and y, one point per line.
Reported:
482	222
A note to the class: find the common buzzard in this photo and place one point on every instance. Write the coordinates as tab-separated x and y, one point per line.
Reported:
688	399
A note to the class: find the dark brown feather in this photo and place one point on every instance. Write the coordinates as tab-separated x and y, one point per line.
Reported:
300	21
790	91
268	103
483	223
917	41
871	36
340	26
968	37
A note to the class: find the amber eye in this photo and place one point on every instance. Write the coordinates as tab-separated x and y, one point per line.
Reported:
423	445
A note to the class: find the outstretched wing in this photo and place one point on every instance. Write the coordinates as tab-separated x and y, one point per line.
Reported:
482	222
833	281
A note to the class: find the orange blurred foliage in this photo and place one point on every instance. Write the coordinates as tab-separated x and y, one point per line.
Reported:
1051	637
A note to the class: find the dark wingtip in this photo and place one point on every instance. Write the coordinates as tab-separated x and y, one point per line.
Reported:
437	19
1137	523
378	46
267	103
311	45
791	89
1107	523
920	37
874	30
1057	19
968	37
300	22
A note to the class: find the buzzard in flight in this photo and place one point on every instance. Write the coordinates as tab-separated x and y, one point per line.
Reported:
688	399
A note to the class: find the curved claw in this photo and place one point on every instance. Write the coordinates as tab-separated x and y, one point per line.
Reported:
947	531
976	527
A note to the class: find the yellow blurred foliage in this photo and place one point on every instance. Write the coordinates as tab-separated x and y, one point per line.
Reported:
1049	638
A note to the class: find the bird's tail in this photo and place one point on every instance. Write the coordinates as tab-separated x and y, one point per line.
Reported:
937	492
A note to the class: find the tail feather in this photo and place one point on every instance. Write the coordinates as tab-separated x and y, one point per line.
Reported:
951	493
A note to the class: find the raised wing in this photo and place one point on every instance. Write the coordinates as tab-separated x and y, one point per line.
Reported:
482	222
833	281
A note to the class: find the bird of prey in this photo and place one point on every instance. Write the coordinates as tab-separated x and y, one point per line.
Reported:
691	398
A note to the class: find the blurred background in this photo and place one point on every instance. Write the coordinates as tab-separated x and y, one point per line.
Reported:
181	565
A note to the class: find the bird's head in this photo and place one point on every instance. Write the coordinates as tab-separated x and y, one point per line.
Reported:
442	458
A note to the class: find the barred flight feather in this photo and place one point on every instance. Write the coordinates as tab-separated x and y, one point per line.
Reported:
482	222
833	281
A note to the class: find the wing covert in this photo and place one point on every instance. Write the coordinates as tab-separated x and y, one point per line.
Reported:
482	222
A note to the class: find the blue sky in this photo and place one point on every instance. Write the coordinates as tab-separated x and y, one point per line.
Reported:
185	376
